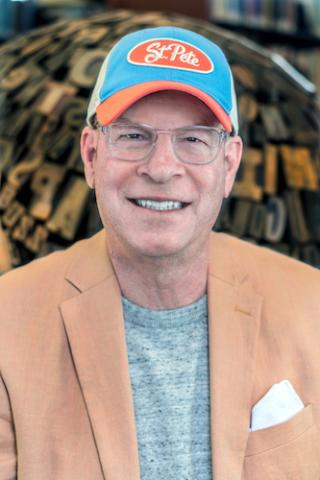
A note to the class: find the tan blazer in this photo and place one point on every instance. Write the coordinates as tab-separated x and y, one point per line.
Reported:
66	407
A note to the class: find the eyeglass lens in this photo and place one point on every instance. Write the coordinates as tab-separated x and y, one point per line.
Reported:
191	145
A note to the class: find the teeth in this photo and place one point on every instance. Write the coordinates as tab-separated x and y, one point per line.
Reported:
154	205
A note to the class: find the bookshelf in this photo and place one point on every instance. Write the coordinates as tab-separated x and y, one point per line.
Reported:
291	16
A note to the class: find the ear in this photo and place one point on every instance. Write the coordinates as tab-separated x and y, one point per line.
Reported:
88	147
233	154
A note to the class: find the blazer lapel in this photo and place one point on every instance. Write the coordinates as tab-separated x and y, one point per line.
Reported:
96	333
234	318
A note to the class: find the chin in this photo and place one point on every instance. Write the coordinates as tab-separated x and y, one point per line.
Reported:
158	248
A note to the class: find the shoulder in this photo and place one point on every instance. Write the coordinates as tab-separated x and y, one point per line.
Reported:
266	266
41	278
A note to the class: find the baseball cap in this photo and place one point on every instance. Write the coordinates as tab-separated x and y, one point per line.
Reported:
164	58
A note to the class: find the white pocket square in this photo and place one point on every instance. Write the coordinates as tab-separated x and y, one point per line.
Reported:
278	405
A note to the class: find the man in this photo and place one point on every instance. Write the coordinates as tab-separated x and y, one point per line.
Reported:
157	349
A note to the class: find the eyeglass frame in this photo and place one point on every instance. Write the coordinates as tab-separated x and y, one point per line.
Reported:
223	135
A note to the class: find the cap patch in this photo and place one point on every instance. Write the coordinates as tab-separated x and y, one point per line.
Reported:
170	53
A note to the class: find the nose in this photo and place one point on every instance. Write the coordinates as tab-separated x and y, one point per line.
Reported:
162	164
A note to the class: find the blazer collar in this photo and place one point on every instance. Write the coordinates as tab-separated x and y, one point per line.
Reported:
95	328
90	262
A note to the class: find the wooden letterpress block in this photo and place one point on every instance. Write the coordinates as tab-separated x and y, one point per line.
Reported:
247	185
36	45
298	227
35	123
6	154
18	123
12	214
59	59
245	77
21	230
298	120
21	172
74	112
14	79
7	195
5	253
35	241
84	73
91	35
273	123
241	217
63	143
7	62
44	186
310	171
67	215
30	92
311	202
248	107
257	221
276	220
270	169
52	97
300	171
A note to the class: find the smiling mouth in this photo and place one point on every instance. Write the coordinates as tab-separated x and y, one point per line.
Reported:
164	205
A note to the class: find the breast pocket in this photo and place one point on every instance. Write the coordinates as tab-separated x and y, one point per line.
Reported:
288	451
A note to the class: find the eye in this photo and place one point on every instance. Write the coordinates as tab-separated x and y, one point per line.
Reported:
194	140
132	135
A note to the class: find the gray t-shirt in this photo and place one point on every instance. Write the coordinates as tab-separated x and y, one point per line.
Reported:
168	361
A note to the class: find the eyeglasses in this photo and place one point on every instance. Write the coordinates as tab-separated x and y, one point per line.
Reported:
197	145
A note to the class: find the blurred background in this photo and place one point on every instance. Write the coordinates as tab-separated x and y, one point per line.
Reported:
50	54
291	27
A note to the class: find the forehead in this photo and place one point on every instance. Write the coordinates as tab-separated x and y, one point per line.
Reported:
173	106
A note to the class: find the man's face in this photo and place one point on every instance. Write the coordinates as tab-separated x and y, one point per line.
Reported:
119	183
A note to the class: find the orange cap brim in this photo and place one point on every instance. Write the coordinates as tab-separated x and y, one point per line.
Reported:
118	103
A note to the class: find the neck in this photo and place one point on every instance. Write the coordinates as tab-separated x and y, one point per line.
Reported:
161	282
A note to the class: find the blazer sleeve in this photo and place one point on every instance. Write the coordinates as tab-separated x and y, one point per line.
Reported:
7	437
